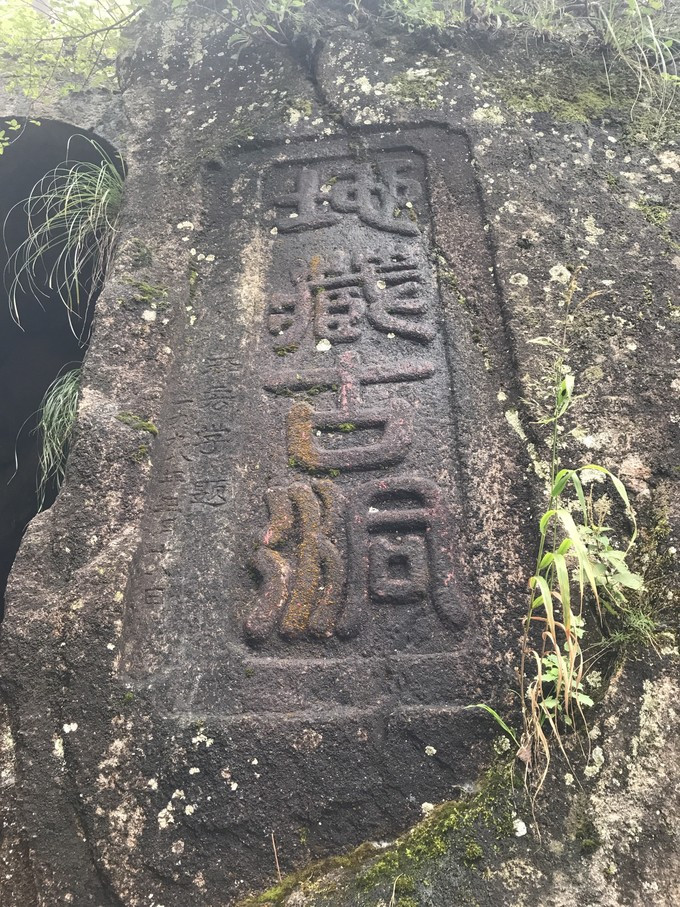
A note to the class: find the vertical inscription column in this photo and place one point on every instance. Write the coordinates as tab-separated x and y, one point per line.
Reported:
358	539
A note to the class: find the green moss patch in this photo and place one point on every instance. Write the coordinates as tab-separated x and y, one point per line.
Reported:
137	423
468	828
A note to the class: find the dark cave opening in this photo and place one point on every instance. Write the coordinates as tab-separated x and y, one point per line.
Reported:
40	337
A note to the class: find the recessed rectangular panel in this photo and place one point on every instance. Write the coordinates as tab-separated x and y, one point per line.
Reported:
303	545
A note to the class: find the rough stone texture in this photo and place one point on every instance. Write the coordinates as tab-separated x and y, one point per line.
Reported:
158	730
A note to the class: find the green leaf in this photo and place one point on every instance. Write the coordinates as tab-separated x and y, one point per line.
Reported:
543	341
629	580
497	718
578	487
561	480
564	587
565	546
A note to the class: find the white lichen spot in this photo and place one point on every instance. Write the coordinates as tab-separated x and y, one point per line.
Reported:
588	476
592	230
70	728
501	745
177	846
669	160
274	231
596	763
309	740
540	466
199	881
152	783
149	315
490	115
594	679
234	785
324	345
430	751
201	738
178	795
185	225
560	274
427	808
520	828
165	816
568	779
519	280
194	770
189	809
58	748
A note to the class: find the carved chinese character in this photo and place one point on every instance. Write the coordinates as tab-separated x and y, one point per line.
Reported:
212	439
306	426
377	193
288	318
339	304
395	303
211	492
220	398
339	297
300	563
401	553
310	209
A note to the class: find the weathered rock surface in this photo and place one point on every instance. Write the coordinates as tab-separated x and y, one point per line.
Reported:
268	619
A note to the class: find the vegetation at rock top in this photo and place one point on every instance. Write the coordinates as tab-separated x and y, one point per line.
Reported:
74	43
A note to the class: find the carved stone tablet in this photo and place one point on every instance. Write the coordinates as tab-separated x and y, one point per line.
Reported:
302	585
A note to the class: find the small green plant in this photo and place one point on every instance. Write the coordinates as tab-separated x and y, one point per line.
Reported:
278	21
71	229
646	36
577	563
56	417
68	44
418	14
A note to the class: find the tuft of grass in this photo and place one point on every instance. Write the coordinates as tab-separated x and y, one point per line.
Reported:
577	562
578	565
56	417
71	229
